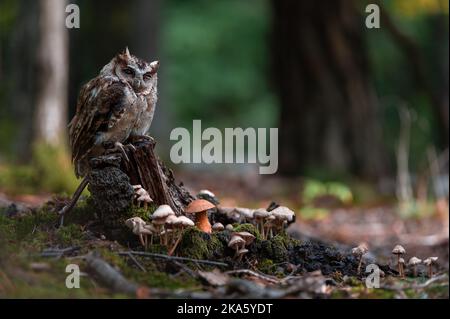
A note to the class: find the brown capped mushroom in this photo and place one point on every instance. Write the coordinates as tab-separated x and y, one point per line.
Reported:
249	238
429	262
236	243
398	251
414	261
199	207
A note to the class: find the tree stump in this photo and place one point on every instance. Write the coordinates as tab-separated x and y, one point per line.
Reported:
112	177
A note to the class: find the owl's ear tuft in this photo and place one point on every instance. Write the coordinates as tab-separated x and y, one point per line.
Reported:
155	66
127	52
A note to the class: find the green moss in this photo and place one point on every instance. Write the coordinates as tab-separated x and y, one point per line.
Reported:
70	235
248	228
266	266
199	245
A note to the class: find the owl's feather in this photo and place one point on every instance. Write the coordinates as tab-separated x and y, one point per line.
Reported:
118	103
101	104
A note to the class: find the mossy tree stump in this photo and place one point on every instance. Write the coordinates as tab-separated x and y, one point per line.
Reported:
112	177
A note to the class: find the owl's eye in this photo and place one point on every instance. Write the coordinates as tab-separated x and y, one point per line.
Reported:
128	71
148	76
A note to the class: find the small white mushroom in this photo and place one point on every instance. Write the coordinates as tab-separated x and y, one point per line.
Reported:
414	261
181	223
236	243
229	227
260	214
240	253
283	215
429	262
269	225
401	263
245	214
398	251
160	215
142	196
137	225
359	252
218	227
249	238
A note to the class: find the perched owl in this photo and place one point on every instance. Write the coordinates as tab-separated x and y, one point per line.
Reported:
116	105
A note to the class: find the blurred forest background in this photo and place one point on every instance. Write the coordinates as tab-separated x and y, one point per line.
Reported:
351	103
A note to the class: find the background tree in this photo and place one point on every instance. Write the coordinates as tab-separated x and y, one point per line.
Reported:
52	74
328	115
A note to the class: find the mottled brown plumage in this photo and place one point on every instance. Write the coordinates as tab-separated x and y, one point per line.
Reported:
119	103
113	107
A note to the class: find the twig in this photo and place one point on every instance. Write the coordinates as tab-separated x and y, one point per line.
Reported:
136	262
186	269
154	255
110	276
420	286
252	273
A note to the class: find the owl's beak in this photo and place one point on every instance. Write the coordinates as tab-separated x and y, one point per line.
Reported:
155	65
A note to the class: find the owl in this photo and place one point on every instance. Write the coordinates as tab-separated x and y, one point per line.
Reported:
116	105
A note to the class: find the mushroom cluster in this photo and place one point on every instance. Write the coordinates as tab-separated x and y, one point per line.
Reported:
413	262
164	224
238	242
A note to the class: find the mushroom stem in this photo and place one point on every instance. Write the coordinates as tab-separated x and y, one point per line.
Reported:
202	222
141	238
415	270
262	228
398	265
359	264
430	270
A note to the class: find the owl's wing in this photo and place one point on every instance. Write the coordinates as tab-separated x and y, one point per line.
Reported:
101	103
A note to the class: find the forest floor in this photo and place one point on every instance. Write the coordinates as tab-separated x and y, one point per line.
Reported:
317	260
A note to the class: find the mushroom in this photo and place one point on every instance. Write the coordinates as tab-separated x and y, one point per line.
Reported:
269	225
181	223
401	263
398	250
429	262
159	217
414	261
208	195
241	252
218	227
249	238
359	252
236	242
142	196
283	215
136	224
260	214
229	227
245	214
170	223
199	207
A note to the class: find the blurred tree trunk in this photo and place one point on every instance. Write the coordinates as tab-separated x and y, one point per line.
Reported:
328	108
19	68
52	69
